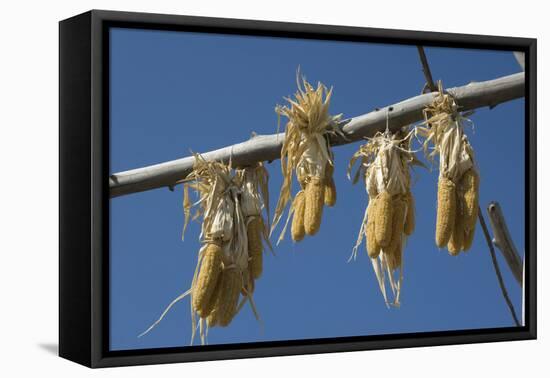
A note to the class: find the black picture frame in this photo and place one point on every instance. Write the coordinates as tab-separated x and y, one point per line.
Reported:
84	188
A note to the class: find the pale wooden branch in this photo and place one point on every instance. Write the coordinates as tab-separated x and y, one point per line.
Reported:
503	241
267	147
426	69
497	269
520	58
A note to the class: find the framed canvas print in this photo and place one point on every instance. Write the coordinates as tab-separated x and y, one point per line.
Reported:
234	188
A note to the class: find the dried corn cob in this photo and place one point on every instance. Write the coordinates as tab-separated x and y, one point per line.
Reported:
383	218
409	221
313	209
213	316
446	210
330	186
470	186
255	247
211	266
456	241
373	248
227	302
298	230
468	239
397	225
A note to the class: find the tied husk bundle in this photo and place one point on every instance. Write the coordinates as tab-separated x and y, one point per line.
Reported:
307	154
458	184
389	217
231	203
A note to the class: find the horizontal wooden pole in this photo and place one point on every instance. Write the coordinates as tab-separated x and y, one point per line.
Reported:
268	147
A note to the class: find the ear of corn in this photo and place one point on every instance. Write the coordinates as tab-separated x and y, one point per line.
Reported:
298	230
398	225
227	302
213	317
446	210
373	248
394	257
470	187
330	186
468	239
330	193
248	285
456	241
314	199
409	220
383	219
207	279
255	247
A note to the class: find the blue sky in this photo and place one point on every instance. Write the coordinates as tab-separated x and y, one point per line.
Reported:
173	92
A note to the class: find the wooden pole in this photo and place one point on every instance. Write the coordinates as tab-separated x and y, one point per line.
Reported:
267	147
503	241
426	69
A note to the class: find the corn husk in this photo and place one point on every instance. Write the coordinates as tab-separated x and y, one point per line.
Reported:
306	152
386	160
457	197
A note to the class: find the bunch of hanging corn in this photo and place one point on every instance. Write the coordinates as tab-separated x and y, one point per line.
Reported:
389	216
232	234
254	199
306	153
458	186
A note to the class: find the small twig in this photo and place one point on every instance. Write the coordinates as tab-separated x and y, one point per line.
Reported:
503	241
497	269
426	70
